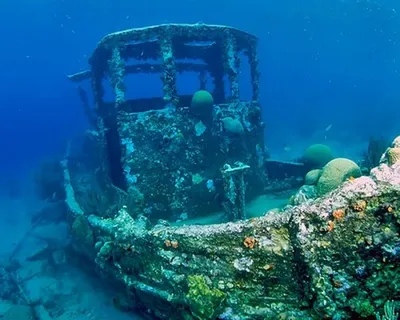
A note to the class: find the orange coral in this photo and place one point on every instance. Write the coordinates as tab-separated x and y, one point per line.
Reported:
167	243
249	242
331	226
269	266
338	214
359	205
174	244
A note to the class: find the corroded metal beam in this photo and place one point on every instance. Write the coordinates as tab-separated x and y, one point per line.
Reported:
143	68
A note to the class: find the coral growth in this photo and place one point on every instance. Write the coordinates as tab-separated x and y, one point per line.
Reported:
317	155
206	303
335	173
392	154
312	177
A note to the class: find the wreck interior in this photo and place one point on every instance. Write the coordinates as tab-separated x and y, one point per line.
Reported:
141	76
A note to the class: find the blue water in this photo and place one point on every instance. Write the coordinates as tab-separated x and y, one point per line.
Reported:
331	62
324	64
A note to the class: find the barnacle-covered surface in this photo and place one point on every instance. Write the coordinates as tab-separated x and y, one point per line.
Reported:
169	162
349	243
246	266
334	256
160	152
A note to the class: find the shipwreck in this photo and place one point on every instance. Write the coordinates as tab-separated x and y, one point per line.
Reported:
154	160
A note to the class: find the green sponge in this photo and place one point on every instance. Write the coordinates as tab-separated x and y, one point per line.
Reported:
202	103
335	172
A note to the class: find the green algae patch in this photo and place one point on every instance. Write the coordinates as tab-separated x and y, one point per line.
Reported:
205	302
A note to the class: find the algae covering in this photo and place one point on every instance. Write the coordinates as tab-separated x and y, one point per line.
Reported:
205	303
168	151
334	257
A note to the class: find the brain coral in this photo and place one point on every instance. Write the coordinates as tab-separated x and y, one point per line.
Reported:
393	156
335	172
317	155
312	177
